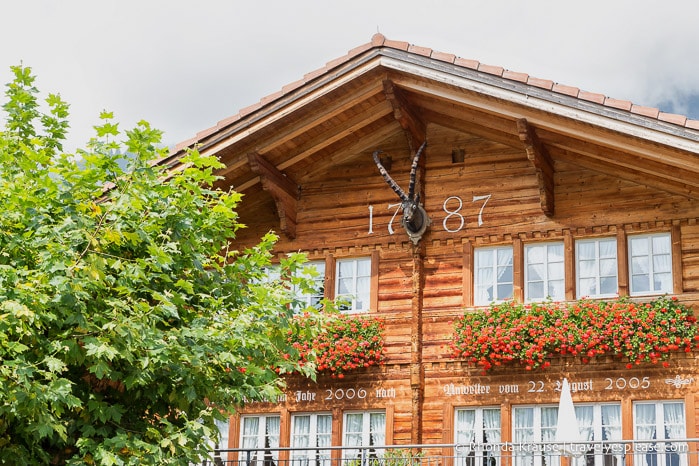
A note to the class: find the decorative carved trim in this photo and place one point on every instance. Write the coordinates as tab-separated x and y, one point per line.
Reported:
405	115
284	191
539	157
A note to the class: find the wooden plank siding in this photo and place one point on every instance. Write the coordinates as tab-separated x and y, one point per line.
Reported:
508	163
335	219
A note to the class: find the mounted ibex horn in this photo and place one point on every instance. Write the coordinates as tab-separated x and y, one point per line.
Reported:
415	219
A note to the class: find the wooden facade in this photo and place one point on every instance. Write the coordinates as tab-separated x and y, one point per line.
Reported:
511	161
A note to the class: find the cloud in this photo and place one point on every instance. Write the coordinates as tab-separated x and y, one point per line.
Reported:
185	65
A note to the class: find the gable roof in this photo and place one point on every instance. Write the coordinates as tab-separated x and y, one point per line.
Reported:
357	102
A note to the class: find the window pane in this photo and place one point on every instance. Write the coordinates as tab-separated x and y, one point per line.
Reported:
345	268
587	287
535	272
640	283
535	254
535	291
504	256
608	285
505	274
556	270
661	263
345	286
363	267
504	291
555	252
556	290
608	267
639	246
651	260
587	269
484	258
586	250
607	248
639	265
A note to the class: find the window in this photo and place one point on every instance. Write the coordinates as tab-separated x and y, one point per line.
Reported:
260	437
314	271
535	424
596	422
601	423
311	432
658	422
650	264
475	427
544	274
596	267
353	284
222	444
493	275
364	429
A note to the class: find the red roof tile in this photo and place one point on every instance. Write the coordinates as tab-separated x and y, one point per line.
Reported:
379	40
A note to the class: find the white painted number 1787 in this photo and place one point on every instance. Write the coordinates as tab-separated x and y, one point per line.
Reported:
453	214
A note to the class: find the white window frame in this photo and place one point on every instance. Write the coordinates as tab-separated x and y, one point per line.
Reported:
313	453
650	258
366	435
358	294
661	452
262	436
551	457
597	266
469	453
312	299
492	268
548	267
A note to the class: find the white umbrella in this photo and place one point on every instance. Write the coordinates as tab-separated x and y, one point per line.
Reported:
567	431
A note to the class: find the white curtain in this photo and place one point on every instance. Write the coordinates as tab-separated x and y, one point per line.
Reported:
465	423
491	425
251	426
675	429
611	429
645	421
549	421
585	417
524	433
353	435
273	438
505	274
645	430
662	263
300	439
324	429
222	427
674	420
484	276
377	427
491	432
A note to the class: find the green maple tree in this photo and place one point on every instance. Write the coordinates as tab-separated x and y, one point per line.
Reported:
128	324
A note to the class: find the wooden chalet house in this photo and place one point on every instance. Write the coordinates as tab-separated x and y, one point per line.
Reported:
527	191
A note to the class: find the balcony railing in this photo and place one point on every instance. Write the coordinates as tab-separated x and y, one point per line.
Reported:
675	452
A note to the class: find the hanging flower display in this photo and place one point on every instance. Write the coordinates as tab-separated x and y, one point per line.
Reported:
348	342
532	334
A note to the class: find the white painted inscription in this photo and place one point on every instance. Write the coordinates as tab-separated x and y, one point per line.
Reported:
305	396
475	389
385	393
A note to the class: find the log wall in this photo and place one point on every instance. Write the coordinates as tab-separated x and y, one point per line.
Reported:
346	213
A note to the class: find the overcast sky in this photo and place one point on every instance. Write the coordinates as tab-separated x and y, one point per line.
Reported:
184	65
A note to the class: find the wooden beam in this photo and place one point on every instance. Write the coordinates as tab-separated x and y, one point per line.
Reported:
283	190
405	115
539	157
306	123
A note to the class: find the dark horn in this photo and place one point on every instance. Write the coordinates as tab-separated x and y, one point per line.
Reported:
394	186
413	171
